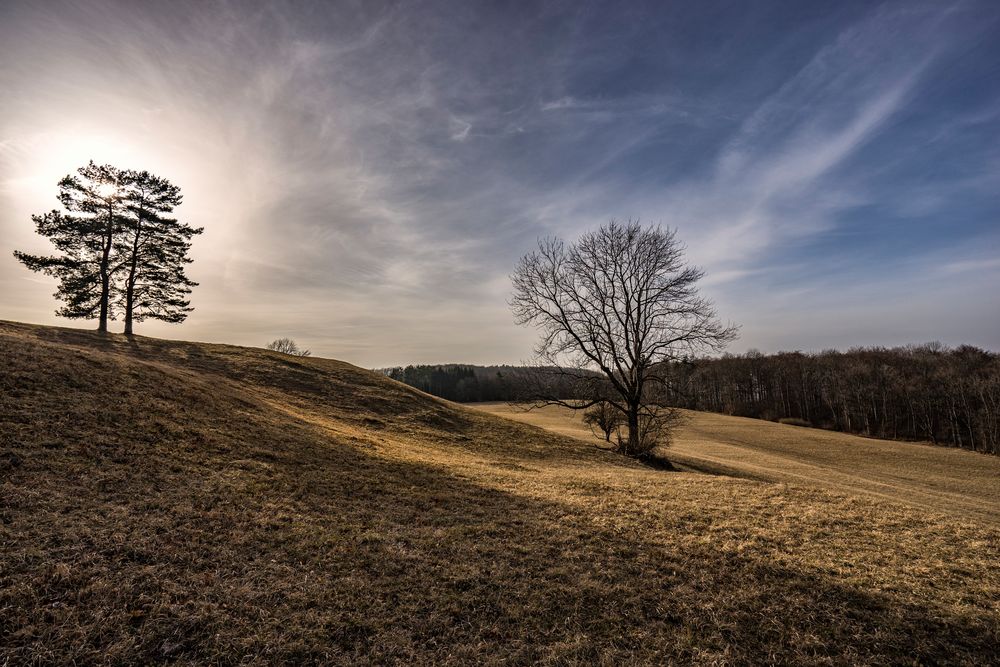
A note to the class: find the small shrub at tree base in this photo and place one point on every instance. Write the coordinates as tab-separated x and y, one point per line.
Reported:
656	428
605	418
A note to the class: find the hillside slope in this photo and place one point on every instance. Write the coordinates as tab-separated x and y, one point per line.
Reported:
164	501
941	479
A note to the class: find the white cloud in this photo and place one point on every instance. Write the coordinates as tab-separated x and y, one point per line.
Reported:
459	128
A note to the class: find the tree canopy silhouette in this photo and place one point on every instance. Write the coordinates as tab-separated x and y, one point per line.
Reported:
153	250
119	251
85	235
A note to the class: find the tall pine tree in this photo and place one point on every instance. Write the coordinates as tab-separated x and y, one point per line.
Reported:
152	250
85	236
120	251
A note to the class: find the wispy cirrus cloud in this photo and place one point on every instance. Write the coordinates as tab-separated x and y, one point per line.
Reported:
772	180
368	174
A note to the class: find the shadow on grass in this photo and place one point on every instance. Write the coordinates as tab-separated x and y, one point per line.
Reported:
691	464
327	554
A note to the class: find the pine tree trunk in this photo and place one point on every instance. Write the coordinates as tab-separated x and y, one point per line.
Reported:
102	325
128	312
130	287
130	297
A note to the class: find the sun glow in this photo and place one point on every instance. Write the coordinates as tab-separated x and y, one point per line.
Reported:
40	161
106	190
31	166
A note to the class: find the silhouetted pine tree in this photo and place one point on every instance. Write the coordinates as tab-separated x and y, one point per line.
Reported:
152	250
85	236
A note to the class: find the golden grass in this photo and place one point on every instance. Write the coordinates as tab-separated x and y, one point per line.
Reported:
941	479
180	502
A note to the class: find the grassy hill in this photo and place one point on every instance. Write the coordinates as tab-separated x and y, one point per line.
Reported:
939	479
164	501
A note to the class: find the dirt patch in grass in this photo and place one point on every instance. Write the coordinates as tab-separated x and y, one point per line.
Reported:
188	503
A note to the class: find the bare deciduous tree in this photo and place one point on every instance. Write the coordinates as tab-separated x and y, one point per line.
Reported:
621	301
287	346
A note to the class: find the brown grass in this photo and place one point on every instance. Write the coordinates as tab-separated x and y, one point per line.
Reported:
941	479
180	502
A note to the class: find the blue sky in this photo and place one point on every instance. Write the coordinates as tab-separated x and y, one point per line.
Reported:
368	174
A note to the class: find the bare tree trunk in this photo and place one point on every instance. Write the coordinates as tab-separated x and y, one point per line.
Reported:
633	445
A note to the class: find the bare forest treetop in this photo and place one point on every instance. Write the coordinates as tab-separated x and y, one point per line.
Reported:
622	301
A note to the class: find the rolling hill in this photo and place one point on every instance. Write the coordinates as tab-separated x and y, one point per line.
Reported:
940	479
164	501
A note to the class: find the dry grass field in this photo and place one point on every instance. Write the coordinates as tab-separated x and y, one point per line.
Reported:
188	503
939	479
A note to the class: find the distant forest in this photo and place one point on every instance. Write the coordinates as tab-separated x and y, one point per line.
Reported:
462	383
927	392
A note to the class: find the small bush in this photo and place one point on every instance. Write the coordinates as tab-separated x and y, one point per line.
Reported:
656	430
605	418
287	346
795	421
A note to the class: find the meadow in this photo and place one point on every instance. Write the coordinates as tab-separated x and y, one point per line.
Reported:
921	475
165	501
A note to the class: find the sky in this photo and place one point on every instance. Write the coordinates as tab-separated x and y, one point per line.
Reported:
368	174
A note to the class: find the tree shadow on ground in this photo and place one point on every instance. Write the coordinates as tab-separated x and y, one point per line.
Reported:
357	559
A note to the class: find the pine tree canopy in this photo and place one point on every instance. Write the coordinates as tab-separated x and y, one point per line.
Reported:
119	249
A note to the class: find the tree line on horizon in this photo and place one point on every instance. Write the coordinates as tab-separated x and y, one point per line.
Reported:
467	383
946	396
926	392
120	250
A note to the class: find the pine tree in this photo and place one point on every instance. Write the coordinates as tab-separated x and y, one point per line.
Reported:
85	237
152	250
